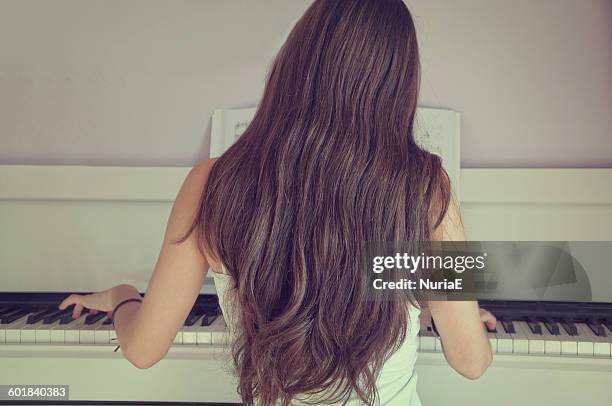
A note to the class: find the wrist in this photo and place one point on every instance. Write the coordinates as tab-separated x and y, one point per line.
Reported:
124	291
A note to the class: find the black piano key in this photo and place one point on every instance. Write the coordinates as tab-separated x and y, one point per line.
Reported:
107	322
491	330
93	318
67	319
36	317
552	327
53	317
569	327
596	327
12	311
608	324
208	318
534	326
508	326
14	316
193	316
8	310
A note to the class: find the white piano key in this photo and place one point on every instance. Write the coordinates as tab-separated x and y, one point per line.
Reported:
504	341
585	343
43	334
87	333
203	337
13	330
189	337
602	347
492	340
569	344
535	341
190	333
102	334
552	346
67	333
178	339
520	341
28	332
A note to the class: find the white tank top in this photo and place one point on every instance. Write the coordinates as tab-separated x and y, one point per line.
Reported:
397	380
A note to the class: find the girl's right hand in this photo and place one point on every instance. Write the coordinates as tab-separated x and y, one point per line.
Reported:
487	318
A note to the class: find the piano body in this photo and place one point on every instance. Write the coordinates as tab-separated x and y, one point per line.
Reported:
545	353
82	229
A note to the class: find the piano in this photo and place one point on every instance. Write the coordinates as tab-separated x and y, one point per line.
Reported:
569	344
67	229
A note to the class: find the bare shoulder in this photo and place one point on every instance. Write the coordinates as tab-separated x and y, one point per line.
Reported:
202	168
451	227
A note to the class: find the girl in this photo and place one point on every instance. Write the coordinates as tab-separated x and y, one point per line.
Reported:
328	162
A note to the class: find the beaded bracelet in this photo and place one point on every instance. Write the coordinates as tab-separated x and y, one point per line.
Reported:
117	308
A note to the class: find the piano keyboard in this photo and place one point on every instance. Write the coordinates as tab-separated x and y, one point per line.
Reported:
554	353
527	335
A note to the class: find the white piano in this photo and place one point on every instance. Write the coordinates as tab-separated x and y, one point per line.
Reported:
67	229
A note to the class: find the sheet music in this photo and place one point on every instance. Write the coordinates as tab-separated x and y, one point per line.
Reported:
436	130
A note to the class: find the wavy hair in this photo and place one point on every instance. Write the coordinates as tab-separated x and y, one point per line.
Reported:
328	161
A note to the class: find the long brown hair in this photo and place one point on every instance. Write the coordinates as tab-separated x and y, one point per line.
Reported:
329	161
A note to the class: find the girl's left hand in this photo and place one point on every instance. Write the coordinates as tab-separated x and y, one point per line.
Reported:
95	302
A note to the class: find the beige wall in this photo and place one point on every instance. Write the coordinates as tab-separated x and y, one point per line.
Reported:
134	82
